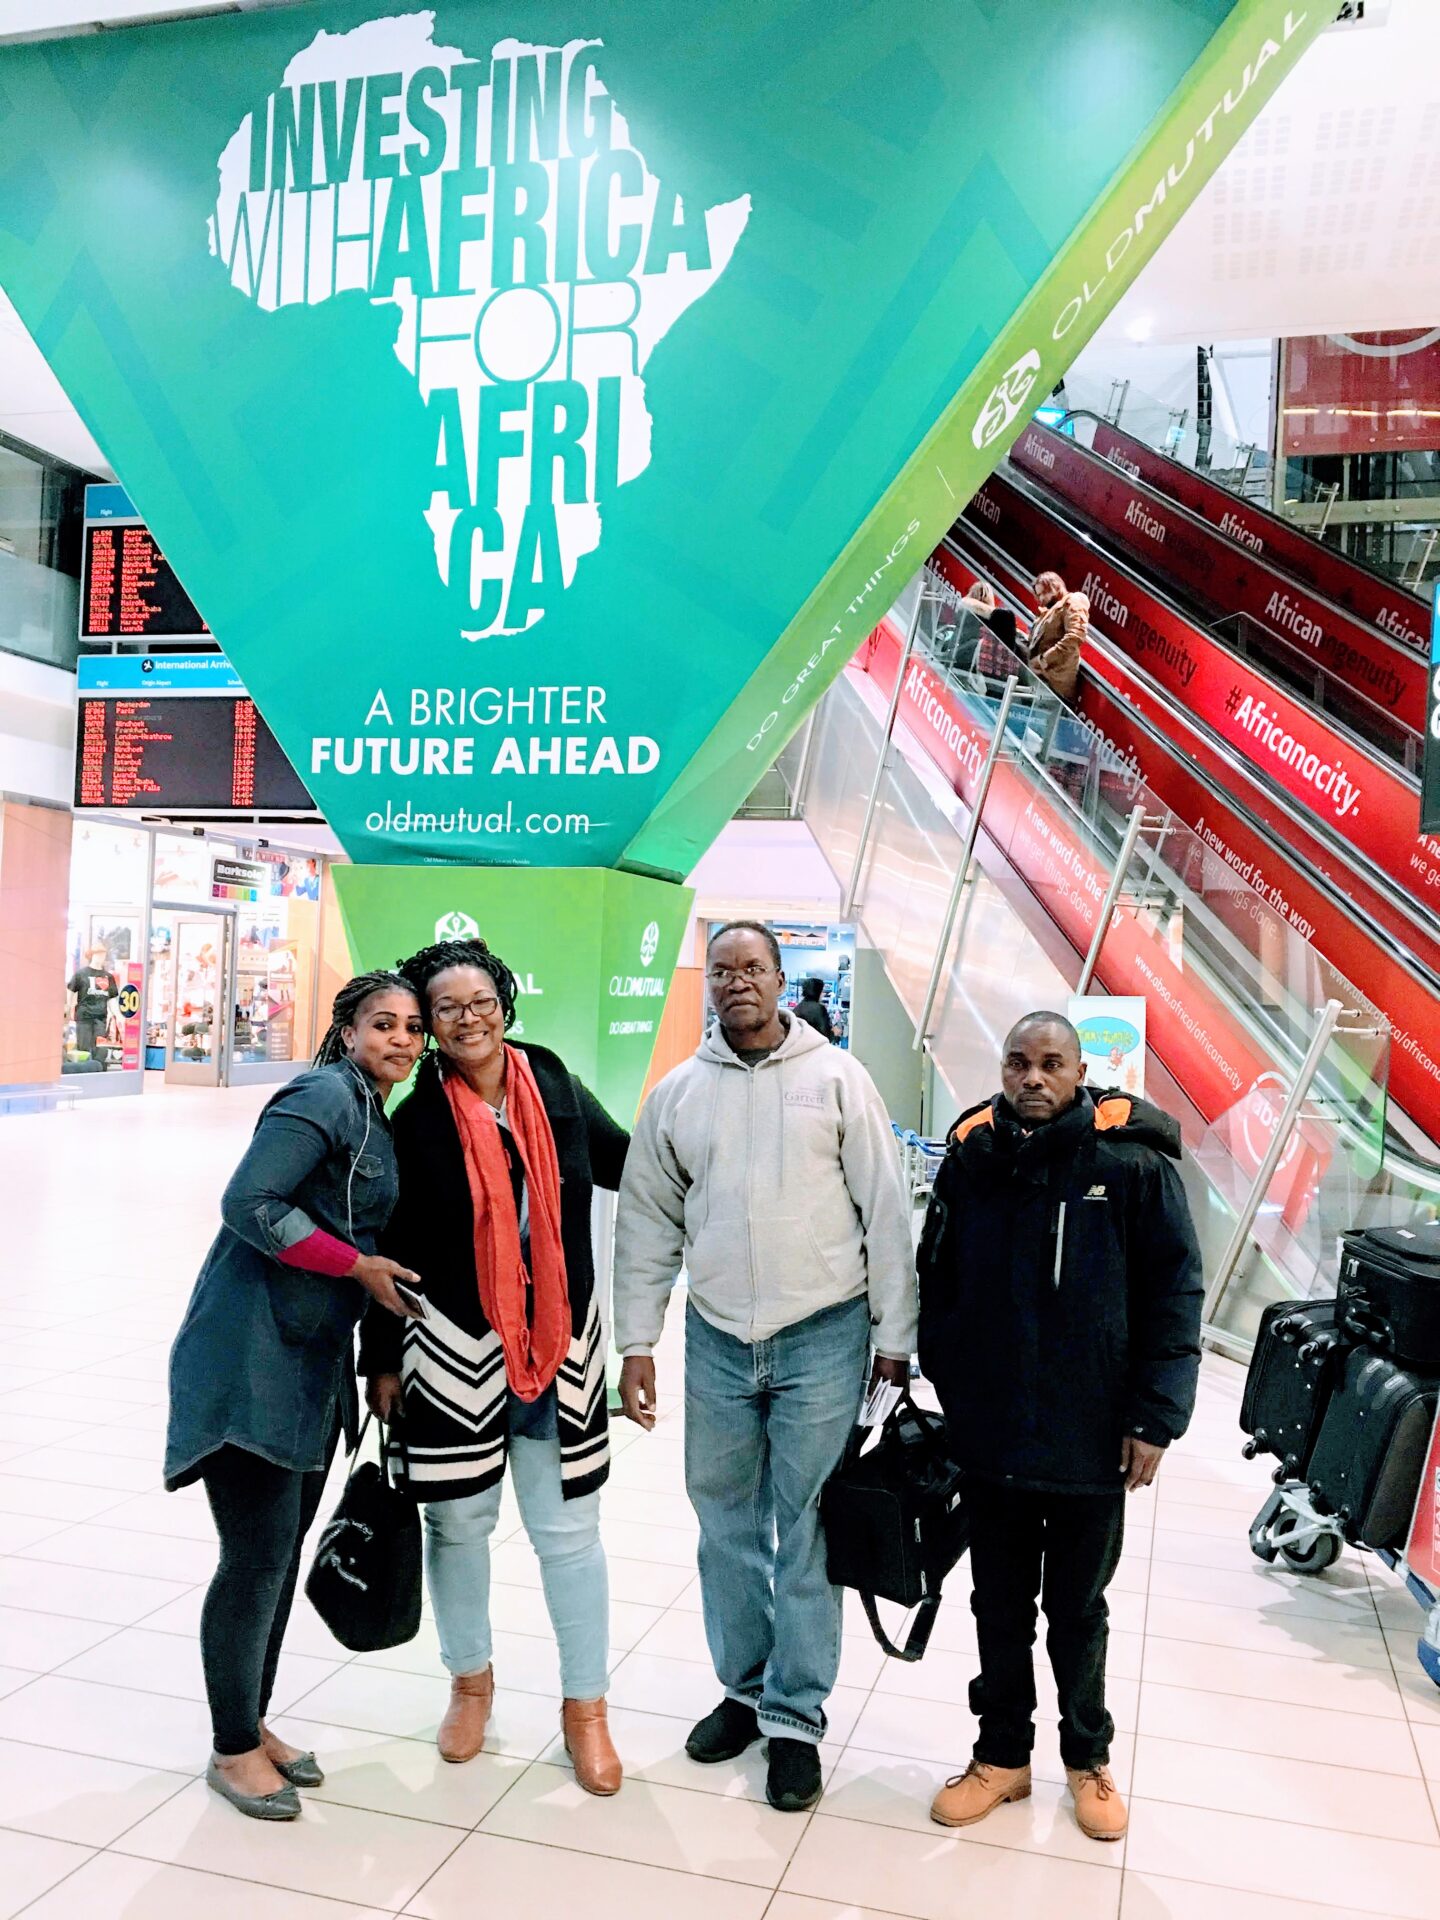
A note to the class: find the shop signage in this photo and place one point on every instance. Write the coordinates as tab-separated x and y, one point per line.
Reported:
483	378
1363	799
1112	1040
1369	596
1185	549
1430	782
1256	876
239	882
129	1001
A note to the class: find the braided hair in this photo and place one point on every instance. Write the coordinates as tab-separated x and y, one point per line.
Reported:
348	1002
421	968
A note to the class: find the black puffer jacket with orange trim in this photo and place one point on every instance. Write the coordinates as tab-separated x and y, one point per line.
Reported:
1060	1291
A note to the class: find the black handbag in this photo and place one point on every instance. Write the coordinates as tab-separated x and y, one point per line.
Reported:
364	1581
895	1521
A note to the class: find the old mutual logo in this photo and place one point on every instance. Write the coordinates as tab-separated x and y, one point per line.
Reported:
533	261
456	926
1006	400
649	943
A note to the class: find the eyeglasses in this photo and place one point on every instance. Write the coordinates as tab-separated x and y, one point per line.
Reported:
447	1014
752	971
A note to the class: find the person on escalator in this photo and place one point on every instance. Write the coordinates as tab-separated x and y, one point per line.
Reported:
1052	648
1060	1300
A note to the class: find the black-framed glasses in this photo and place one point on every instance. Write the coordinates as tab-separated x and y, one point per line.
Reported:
450	1013
752	970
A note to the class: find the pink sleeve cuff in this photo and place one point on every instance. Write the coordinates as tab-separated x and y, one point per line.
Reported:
320	1252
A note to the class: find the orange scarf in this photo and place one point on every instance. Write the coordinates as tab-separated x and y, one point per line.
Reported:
534	1346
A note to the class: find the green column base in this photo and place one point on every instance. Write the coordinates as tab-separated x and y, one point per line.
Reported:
593	951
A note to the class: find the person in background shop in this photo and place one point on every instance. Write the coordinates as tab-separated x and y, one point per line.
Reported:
812	1010
1060	1297
499	1147
261	1376
767	1164
91	992
1052	648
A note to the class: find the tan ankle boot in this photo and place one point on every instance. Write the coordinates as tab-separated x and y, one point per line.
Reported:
978	1791
588	1743
462	1731
1099	1810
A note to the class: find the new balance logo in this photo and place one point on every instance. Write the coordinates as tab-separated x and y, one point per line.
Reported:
1096	1193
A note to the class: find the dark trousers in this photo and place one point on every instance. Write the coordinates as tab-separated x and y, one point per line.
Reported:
262	1514
1061	1549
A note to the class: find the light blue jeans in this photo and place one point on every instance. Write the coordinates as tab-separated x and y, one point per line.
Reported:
765	1426
566	1537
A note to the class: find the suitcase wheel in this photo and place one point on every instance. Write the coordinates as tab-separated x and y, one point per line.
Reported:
1321	1553
1250	1449
1263	1550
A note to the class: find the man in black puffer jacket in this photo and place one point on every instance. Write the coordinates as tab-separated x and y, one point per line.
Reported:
1060	1299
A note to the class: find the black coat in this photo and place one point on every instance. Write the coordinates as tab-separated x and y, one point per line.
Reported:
1061	1291
454	1426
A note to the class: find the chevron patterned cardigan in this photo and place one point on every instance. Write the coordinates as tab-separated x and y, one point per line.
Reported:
454	1430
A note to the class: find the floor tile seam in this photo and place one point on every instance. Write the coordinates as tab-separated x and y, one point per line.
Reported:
89	1520
1299	1760
46	1891
240	1880
1305	1658
185	1781
1285	1820
1346	1912
592	1853
1410	1725
1108	1855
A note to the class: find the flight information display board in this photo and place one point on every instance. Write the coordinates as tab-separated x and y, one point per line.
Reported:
128	588
182	753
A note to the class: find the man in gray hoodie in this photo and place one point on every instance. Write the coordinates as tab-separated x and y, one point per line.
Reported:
768	1166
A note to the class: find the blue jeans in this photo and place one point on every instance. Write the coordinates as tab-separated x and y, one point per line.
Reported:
566	1537
765	1426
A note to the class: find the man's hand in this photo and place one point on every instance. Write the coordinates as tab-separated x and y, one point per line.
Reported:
1139	1461
384	1395
897	1372
378	1276
637	1389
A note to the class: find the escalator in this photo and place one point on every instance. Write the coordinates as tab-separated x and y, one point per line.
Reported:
1372	597
1232	990
1346	795
1362	929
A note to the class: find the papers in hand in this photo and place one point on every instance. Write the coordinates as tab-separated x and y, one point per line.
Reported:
880	1403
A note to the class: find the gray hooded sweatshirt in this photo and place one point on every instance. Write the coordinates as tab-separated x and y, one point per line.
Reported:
779	1185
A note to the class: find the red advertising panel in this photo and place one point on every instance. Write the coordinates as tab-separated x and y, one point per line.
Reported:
1371	804
1203	1044
131	1004
1361	665
1361	393
1112	694
1369	596
1422	1553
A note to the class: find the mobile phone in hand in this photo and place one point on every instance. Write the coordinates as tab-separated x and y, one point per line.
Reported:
413	1300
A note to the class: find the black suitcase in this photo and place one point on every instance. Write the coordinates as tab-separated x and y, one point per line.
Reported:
1390	1292
1371	1448
1298	1356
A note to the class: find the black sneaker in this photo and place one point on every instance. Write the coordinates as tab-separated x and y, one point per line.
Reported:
793	1782
723	1734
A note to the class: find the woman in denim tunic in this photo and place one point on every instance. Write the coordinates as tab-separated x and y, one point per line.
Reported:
261	1373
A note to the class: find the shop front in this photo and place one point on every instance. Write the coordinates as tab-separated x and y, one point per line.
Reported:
193	959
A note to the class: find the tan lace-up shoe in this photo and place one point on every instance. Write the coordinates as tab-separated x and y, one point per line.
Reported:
978	1791
588	1743
1099	1810
462	1731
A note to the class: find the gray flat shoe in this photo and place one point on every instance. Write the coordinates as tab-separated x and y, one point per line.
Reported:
281	1805
303	1771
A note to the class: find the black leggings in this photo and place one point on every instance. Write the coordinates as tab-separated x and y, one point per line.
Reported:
262	1514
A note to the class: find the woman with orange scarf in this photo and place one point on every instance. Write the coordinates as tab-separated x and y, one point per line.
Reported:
498	1148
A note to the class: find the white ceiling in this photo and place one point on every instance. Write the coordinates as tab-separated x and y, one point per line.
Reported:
1325	219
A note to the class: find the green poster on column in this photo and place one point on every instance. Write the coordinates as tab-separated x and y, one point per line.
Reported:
541	401
592	951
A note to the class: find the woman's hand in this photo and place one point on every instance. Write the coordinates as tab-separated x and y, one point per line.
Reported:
378	1276
384	1395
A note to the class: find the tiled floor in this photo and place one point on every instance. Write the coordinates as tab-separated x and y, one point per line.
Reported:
1281	1746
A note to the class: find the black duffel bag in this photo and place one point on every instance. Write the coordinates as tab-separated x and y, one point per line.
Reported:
895	1521
365	1578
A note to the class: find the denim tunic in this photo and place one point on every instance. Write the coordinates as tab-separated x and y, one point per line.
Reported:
263	1358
